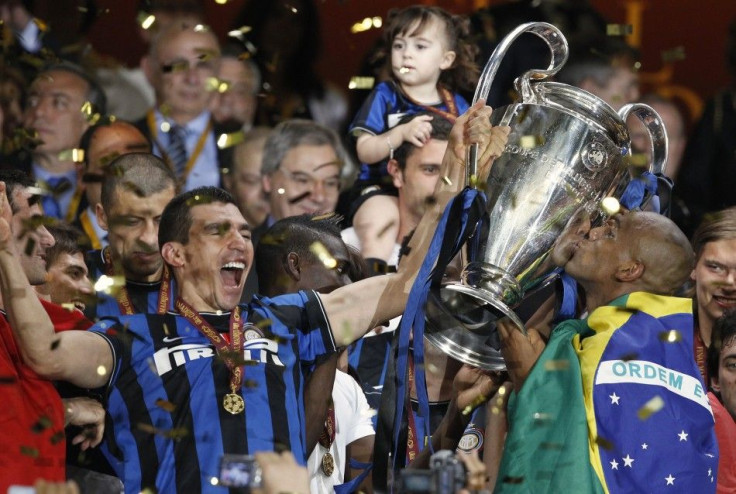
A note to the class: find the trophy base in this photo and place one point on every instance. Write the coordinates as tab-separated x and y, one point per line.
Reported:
463	325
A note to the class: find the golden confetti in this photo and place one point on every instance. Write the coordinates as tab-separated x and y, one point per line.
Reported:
29	451
403	70
555	365
541	417
213	84
146	20
201	28
610	205
101	370
671	336
178	66
619	29
220	2
319	250
675	54
41	425
238	33
165	405
300	197
225	141
638	159
175	433
447	180
75	155
57	437
474	404
90	112
42	26
281	191
604	443
361	82
108	284
531	142
650	408
366	24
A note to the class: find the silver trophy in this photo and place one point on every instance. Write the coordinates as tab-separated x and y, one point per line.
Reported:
567	150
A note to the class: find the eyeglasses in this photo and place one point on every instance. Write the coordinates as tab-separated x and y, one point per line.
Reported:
304	182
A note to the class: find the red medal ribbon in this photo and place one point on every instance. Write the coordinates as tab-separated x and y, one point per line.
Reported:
123	298
700	351
235	347
447	99
412	448
327	437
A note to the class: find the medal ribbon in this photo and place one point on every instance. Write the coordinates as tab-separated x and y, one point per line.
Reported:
220	344
153	129
327	437
89	229
126	306
700	352
71	213
412	447
447	99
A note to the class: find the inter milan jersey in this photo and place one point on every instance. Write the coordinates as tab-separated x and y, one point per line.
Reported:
382	111
143	296
169	428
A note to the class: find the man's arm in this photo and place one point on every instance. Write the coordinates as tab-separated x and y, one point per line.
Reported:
79	357
354	309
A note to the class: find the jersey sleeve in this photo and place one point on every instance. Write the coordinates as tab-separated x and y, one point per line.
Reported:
371	117
111	330
461	103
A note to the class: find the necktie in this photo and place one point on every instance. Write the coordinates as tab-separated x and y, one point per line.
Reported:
177	150
50	202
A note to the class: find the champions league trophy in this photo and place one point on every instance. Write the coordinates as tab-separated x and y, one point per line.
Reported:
567	150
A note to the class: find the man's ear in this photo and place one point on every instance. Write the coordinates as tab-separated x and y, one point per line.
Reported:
173	254
395	172
448	58
101	217
292	266
630	271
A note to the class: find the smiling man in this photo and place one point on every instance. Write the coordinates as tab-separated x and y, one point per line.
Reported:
714	243
175	409
135	189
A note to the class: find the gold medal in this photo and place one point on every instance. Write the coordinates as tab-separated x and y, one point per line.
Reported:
328	464
233	403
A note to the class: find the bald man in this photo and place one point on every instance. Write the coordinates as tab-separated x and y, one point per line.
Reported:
591	390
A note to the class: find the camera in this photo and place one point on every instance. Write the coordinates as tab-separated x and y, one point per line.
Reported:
241	471
446	475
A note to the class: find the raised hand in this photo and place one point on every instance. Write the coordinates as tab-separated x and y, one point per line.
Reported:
519	351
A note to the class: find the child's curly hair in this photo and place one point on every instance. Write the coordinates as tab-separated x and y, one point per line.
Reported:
463	74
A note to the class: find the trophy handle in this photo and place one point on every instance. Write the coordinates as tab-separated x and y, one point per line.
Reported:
558	48
657	133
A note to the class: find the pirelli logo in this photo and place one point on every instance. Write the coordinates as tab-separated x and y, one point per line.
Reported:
260	350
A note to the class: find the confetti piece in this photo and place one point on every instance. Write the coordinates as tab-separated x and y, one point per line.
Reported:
474	404
555	365
55	344
629	356
638	159
199	199
650	408
178	66
671	336
447	180
403	70
675	54
298	198
101	370
225	141
146	20
175	433
604	443
57	437
108	284
91	112
29	451
531	142
201	28
75	155
361	82
610	205
238	33
165	126
165	405
619	29
281	191
319	250
41	425
512	480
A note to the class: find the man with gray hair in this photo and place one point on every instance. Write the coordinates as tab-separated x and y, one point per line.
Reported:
302	164
135	190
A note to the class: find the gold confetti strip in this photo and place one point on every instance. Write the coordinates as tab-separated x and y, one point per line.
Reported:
319	250
604	443
213	84
75	155
610	205
555	365
619	29
638	159
238	33
41	425
447	180
165	405
109	284
201	28
145	20
671	336
361	82
675	54
175	433
101	370
250	383
650	408
366	24
42	26
474	404
90	112
225	141
512	480
57	437
29	451
531	142
403	70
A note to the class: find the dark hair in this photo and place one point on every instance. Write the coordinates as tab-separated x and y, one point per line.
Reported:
441	128
86	139
291	234
94	95
724	334
143	173
67	240
176	220
463	74
301	75
15	179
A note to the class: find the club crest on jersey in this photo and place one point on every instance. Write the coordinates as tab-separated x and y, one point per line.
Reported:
472	439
